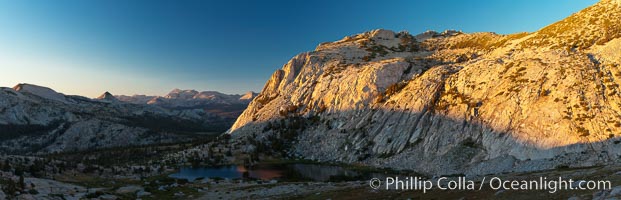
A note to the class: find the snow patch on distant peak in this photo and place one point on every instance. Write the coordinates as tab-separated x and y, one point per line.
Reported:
43	92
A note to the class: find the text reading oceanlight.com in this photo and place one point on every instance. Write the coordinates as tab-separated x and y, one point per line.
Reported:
551	185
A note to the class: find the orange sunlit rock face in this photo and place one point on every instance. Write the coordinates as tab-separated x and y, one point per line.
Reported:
383	98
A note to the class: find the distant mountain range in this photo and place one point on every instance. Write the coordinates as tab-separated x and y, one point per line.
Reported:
36	119
187	98
226	105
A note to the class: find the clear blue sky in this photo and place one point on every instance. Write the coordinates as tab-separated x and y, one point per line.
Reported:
87	47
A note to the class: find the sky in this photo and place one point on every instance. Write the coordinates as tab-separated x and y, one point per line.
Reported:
150	47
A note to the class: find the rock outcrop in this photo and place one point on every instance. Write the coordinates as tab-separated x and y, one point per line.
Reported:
43	92
451	102
249	96
107	97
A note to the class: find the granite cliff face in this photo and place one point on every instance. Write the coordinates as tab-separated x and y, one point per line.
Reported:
451	102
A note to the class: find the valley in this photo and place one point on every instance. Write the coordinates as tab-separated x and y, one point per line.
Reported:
330	121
